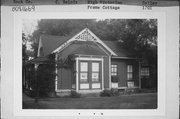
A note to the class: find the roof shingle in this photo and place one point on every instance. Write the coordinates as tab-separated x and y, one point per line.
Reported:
50	43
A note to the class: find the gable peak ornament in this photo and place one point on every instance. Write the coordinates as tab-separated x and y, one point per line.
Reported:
86	36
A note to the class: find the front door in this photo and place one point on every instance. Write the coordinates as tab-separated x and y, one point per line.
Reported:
90	75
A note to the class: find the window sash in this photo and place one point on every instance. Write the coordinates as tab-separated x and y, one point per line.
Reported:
95	76
113	70
84	66
130	84
144	71
130	76
95	67
83	72
129	68
129	72
84	77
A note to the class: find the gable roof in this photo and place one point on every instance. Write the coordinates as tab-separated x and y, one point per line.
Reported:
84	35
88	49
52	44
115	46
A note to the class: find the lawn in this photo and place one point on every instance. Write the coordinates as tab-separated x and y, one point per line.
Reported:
135	101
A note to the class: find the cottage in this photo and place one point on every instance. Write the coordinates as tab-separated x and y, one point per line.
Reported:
95	64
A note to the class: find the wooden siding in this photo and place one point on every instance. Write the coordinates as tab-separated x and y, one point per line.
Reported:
64	78
106	72
122	71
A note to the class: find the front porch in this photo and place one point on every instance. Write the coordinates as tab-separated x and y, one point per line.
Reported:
87	75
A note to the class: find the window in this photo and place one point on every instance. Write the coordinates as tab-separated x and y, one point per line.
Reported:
84	72
113	70
145	72
129	72
95	72
130	84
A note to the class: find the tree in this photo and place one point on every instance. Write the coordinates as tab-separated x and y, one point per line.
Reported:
137	36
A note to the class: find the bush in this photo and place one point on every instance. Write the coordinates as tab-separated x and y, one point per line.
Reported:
109	93
114	92
106	93
114	79
74	94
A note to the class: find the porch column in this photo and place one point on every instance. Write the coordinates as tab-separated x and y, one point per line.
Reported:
77	74
110	73
102	63
139	74
56	71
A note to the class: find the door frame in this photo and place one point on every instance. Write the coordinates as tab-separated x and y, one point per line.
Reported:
89	59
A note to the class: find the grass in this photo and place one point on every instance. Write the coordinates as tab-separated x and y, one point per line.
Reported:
136	101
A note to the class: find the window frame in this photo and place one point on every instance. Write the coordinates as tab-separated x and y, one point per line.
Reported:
115	71
85	81
145	73
95	72
129	72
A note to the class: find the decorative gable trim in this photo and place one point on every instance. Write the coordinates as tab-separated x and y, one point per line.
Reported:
99	41
84	35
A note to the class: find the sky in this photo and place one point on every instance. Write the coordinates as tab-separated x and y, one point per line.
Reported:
29	25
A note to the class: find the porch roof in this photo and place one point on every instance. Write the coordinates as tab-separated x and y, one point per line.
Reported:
39	60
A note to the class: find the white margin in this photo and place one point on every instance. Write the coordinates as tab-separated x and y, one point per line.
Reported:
160	111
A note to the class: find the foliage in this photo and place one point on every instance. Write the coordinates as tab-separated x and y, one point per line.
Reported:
114	79
109	93
137	36
65	63
106	93
44	83
24	54
46	76
74	94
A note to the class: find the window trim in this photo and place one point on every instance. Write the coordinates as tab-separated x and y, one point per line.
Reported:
116	71
145	73
95	72
129	72
83	72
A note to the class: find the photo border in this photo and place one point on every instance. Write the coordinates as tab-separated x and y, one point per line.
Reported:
161	18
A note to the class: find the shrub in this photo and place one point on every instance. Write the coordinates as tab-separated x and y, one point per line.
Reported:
114	92
106	93
114	79
109	93
74	94
31	93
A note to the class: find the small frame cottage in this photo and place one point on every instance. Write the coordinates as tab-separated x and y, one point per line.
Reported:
95	64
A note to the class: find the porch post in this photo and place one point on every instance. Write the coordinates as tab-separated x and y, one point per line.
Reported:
37	83
139	74
77	74
110	72
56	71
102	63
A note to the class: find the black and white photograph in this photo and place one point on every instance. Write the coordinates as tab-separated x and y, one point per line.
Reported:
89	59
90	63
